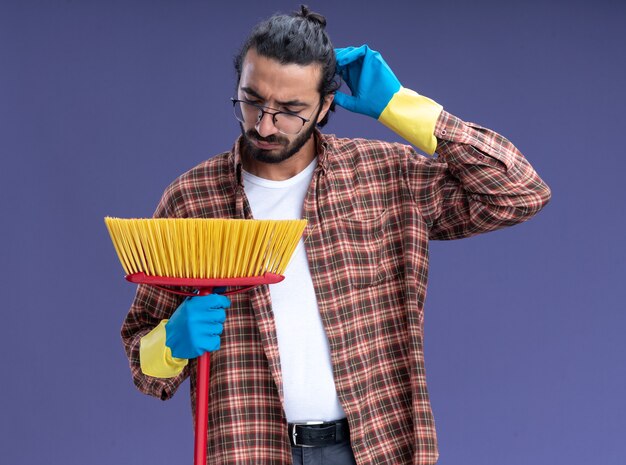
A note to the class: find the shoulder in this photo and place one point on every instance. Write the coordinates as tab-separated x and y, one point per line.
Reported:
361	144
208	173
360	151
196	191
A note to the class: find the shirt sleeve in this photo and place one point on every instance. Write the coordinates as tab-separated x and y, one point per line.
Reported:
149	308
478	182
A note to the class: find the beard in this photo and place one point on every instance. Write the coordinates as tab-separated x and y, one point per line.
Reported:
269	156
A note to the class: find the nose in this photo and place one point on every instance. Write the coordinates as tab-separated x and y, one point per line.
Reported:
265	125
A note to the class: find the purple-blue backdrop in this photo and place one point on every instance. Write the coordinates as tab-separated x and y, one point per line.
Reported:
103	103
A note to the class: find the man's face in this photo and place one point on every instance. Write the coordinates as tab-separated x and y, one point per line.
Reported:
291	88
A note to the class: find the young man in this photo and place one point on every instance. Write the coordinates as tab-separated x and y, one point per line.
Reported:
339	342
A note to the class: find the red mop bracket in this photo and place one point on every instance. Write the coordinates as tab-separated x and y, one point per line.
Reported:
198	283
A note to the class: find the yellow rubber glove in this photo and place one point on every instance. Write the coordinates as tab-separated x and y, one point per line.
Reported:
156	358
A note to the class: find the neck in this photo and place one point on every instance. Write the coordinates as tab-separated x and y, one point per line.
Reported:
285	169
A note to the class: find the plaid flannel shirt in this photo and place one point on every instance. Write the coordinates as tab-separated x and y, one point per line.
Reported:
371	208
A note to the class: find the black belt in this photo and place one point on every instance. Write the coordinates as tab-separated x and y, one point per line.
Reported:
318	433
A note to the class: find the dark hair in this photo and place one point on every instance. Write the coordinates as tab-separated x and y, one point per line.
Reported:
299	38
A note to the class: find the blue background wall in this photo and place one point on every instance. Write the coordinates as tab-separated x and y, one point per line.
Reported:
103	103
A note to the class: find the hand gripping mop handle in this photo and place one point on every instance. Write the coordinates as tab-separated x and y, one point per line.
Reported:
202	400
204	287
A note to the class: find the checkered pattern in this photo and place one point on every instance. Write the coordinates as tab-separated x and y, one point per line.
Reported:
372	207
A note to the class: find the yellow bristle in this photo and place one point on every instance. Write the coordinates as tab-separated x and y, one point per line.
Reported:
204	248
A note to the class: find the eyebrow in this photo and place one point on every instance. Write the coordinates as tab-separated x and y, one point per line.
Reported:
288	103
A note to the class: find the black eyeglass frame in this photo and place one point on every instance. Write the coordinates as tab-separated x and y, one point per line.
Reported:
263	111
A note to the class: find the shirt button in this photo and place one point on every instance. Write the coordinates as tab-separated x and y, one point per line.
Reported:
443	132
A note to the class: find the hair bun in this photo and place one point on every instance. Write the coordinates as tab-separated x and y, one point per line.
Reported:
311	16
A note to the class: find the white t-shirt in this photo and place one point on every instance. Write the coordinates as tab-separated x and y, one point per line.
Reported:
308	382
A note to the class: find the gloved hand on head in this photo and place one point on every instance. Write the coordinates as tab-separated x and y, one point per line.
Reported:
377	92
369	78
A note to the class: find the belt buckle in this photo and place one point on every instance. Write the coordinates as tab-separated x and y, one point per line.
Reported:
302	423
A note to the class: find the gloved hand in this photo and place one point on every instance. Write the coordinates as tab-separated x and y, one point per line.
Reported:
196	325
376	92
369	78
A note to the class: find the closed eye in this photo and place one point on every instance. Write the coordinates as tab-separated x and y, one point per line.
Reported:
292	111
260	103
254	102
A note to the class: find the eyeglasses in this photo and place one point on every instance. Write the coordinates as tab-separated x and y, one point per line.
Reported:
286	123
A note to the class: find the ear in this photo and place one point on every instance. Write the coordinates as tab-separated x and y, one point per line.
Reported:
325	106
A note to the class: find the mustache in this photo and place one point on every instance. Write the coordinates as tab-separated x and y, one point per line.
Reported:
271	139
